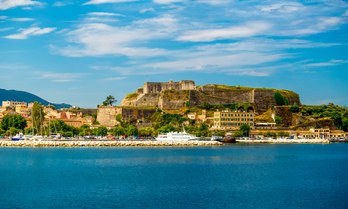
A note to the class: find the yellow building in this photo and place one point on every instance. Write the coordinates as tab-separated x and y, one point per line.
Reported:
22	109
232	120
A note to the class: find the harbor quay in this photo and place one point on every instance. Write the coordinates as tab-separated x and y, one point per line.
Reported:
56	143
284	141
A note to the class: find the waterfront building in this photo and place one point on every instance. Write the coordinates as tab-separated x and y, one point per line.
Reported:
232	120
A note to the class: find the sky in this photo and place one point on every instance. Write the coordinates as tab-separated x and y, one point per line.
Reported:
78	52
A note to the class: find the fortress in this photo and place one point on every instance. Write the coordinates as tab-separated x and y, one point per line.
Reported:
158	87
176	95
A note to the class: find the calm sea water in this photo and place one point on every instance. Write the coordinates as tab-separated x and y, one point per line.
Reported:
238	176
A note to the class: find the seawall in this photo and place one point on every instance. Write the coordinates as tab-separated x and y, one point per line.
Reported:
106	143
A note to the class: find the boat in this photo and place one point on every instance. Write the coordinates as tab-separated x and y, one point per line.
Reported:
176	136
216	138
17	137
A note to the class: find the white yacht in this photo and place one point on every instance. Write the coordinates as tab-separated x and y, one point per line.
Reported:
176	136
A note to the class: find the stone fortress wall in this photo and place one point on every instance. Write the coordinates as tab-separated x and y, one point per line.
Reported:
158	87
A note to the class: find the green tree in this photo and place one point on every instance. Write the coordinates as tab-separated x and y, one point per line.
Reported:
278	120
131	130
118	131
245	129
109	101
12	131
295	108
101	131
38	117
345	124
238	133
13	121
148	131
203	130
279	99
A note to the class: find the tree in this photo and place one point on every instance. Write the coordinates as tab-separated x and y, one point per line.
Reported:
245	129
118	131
294	108
101	131
109	101
13	121
278	120
131	130
203	130
12	131
279	99
38	116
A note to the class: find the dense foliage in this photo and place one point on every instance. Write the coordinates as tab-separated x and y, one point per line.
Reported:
12	124
233	106
279	99
337	113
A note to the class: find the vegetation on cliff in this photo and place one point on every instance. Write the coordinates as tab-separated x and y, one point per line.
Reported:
337	113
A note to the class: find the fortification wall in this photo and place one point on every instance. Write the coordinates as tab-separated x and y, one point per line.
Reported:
173	100
131	114
158	87
147	100
213	95
106	116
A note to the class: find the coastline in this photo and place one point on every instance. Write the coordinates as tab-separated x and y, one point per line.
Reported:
284	141
56	143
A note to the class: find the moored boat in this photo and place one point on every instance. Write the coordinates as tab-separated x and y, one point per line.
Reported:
176	136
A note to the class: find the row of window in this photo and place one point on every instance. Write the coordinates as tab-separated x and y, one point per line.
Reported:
232	124
236	115
235	119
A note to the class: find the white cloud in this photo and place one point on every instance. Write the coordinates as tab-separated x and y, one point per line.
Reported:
167	1
115	78
283	7
214	2
104	14
247	30
145	10
327	64
321	24
25	33
63	3
98	39
22	19
3	17
60	77
7	4
107	1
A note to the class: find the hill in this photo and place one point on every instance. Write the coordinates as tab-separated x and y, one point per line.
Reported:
22	96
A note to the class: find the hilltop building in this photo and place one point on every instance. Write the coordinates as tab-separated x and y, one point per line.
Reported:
12	104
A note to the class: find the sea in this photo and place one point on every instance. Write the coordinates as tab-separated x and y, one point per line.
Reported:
231	176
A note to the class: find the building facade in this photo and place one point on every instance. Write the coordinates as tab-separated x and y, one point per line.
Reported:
12	104
232	120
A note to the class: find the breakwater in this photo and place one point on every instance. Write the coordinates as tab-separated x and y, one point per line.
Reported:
54	143
286	141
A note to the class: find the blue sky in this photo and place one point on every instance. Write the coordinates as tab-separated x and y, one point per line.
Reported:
78	52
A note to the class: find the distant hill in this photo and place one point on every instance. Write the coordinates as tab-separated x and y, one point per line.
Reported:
22	96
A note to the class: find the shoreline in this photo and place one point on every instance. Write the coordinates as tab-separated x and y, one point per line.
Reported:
284	141
56	143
